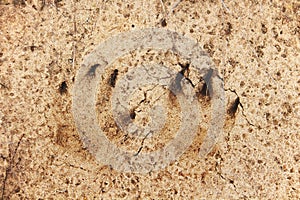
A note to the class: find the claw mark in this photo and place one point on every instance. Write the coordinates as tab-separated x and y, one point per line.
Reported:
234	106
208	76
240	104
207	88
113	77
132	114
92	70
63	87
177	84
163	22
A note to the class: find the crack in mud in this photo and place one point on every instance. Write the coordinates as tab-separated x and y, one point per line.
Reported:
10	165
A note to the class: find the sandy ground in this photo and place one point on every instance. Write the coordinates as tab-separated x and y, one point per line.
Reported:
253	44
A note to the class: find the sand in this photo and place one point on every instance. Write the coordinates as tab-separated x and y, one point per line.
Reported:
255	47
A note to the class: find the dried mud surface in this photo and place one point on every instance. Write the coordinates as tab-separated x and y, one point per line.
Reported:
254	45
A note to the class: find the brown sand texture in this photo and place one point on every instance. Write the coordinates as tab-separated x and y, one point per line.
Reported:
254	48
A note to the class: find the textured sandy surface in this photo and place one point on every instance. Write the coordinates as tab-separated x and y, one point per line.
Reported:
255	46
